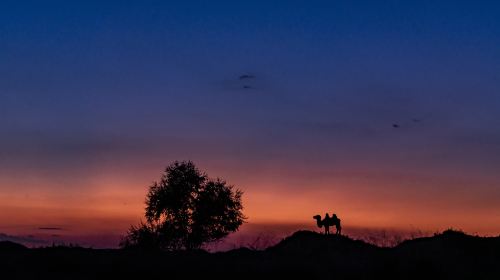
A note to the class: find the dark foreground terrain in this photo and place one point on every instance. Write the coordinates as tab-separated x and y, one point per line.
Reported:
304	255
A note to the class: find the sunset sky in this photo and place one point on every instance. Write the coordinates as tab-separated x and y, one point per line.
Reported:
384	112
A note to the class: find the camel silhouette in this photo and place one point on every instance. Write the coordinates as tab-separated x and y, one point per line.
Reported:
327	222
323	223
335	221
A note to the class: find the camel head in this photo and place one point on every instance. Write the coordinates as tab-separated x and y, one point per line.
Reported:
317	217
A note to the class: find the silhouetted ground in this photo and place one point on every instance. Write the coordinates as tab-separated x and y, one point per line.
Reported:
304	255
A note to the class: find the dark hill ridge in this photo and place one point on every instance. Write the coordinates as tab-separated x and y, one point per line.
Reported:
313	243
11	246
452	253
305	254
450	243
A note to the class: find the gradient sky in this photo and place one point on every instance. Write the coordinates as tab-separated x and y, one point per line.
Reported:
97	97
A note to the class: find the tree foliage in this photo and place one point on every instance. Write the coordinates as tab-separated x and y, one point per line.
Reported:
186	209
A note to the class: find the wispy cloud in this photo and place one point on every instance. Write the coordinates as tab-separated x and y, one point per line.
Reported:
26	240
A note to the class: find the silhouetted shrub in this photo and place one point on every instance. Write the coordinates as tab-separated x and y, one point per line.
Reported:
143	236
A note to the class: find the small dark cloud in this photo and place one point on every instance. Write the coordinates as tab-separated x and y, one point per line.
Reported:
407	123
244	83
50	228
247	77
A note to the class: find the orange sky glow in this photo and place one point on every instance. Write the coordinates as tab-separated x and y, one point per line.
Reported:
272	201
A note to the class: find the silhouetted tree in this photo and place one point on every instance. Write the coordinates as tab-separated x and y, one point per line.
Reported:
186	209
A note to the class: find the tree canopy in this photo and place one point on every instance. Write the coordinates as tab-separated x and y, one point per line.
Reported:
186	209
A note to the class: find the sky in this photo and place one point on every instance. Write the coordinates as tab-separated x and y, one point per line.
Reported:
384	112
